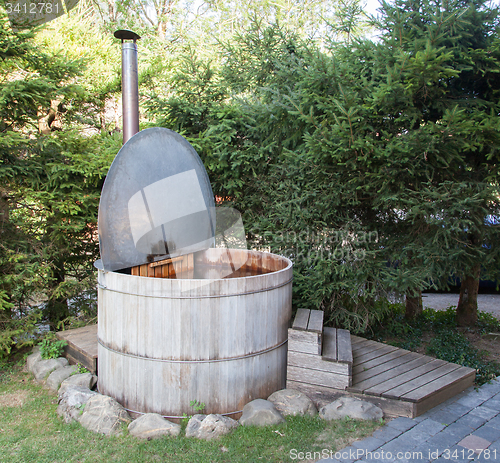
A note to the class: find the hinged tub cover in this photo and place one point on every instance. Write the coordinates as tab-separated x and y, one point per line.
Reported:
156	202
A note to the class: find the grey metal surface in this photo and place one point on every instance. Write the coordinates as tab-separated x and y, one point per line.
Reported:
130	90
156	202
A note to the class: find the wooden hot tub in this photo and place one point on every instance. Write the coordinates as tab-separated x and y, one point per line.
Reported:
165	342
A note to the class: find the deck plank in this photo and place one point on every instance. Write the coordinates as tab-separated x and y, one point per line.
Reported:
388	374
395	362
344	348
392	383
378	361
301	319
315	323
367	356
330	344
431	387
423	378
367	348
82	346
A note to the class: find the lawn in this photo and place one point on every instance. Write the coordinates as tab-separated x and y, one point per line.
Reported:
31	431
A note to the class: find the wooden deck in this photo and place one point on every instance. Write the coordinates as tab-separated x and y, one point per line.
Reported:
82	346
401	382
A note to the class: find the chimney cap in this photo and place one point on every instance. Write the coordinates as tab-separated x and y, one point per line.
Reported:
124	34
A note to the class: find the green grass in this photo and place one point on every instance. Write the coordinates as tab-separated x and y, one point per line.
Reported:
32	432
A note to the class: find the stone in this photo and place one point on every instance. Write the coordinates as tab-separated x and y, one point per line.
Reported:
87	380
152	426
292	402
104	415
44	368
352	408
72	402
33	358
260	412
58	376
209	427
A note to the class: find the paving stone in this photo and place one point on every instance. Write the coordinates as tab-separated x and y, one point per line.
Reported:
460	454
428	452
400	444
415	436
402	423
386	433
495	445
368	444
493	387
475	443
486	458
484	412
445	416
495	422
459	409
472	400
429	426
441	441
459	429
350	453
473	421
487	432
493	403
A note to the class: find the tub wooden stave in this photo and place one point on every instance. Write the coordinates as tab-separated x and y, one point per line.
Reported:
164	343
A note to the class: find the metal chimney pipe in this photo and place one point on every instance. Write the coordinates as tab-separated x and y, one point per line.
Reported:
130	83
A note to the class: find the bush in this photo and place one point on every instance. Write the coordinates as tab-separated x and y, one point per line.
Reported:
51	347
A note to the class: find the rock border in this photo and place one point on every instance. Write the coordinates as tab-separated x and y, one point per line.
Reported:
103	414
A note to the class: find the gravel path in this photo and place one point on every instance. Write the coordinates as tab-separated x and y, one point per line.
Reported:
485	302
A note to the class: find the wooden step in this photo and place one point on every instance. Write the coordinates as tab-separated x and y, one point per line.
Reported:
337	345
82	346
305	335
306	343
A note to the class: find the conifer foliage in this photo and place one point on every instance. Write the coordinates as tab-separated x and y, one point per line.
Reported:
373	164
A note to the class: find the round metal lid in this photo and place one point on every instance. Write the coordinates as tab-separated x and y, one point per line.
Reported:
156	202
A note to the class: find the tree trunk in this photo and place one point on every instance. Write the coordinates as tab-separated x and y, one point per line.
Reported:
467	303
57	307
4	226
414	305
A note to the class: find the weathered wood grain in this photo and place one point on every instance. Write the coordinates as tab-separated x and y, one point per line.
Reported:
304	341
432	387
422	379
358	367
344	350
388	374
301	319
82	346
315	362
434	398
330	344
377	370
395	387
315	323
166	342
317	377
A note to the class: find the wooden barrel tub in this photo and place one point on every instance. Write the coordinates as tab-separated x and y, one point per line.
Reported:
164	343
